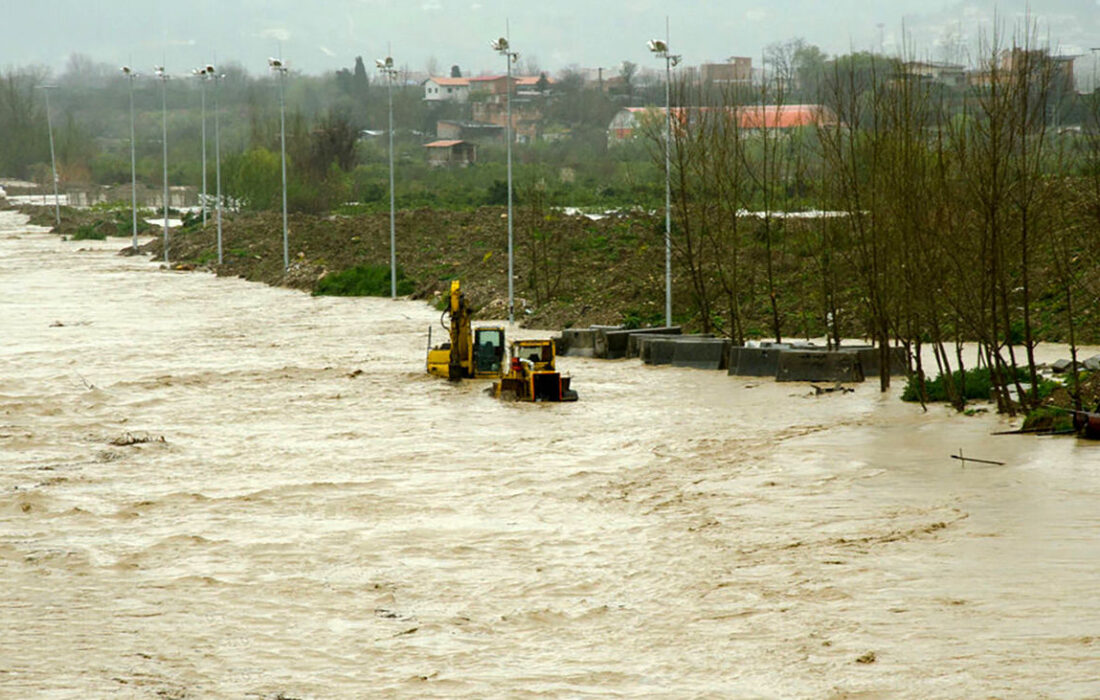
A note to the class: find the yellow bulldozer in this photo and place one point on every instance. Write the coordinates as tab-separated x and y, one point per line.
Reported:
478	353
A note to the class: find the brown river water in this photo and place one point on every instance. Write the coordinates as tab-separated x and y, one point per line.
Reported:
324	520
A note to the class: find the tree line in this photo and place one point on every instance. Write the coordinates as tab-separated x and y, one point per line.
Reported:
950	215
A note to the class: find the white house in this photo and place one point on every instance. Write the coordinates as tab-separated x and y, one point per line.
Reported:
438	89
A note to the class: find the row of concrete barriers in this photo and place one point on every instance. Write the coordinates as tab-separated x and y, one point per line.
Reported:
786	362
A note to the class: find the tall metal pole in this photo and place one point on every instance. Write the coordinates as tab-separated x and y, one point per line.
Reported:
202	92
511	273
133	158
668	190
503	47
661	49
164	145
217	161
386	67
390	72
53	161
282	144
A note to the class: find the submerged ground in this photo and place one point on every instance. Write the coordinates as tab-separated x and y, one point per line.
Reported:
321	519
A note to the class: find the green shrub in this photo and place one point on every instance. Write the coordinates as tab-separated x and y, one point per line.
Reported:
363	281
978	385
89	232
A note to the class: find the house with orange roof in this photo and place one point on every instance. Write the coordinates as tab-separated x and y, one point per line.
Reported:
451	152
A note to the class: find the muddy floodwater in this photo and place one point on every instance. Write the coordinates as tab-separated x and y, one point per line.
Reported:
323	520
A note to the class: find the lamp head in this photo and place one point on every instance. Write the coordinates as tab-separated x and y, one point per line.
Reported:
500	45
126	70
276	64
657	46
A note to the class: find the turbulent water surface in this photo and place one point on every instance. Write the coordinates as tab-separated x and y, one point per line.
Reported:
321	519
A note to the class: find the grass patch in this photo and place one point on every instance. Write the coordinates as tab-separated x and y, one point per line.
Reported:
636	318
1049	418
363	281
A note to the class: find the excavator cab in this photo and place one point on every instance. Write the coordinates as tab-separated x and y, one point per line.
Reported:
488	351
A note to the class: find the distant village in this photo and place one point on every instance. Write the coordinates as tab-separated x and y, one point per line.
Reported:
477	108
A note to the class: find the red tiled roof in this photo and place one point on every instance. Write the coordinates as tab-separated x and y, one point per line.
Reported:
760	116
779	116
450	82
532	80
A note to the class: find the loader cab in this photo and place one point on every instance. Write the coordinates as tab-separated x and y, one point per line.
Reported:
488	351
540	353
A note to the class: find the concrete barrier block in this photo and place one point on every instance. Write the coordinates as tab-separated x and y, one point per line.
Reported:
1062	366
659	351
579	342
753	362
637	345
700	353
599	340
818	366
618	343
869	360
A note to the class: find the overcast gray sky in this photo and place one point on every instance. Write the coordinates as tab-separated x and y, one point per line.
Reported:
326	35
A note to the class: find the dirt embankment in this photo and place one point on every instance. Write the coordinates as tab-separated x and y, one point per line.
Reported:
569	269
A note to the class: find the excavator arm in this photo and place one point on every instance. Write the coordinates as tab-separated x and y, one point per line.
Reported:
461	352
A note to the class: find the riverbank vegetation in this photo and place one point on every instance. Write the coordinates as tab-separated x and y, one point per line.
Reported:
955	216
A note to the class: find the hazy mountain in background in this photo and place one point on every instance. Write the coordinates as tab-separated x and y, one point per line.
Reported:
317	37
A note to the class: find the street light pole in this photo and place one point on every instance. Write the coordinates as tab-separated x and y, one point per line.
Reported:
130	75
277	65
53	161
163	77
386	67
216	77
503	47
200	73
660	48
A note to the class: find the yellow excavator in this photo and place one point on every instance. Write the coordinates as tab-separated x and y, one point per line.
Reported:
478	353
472	353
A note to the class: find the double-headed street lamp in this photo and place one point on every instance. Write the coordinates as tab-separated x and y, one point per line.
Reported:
201	74
163	78
53	161
502	47
386	68
277	65
130	75
660	48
